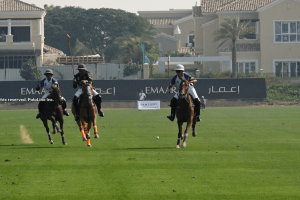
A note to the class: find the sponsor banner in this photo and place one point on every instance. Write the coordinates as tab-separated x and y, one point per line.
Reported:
120	90
148	105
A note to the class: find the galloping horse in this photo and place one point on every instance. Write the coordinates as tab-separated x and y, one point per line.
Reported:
87	113
54	112
185	113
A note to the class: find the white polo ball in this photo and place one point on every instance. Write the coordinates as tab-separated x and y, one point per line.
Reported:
157	137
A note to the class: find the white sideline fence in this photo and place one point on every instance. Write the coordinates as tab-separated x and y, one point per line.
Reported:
99	71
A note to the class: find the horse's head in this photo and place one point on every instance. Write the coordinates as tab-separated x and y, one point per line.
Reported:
87	91
183	89
56	93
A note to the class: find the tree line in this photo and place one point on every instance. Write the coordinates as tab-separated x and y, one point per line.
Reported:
115	33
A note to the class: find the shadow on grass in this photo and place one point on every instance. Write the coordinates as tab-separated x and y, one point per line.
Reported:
29	146
143	148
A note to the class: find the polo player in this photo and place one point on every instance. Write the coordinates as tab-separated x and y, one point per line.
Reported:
181	75
77	81
47	84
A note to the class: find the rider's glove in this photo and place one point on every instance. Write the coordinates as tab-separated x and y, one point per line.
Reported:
37	88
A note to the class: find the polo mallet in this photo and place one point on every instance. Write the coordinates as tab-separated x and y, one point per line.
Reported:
169	72
37	75
71	53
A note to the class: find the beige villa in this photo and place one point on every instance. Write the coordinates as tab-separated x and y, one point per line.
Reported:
21	33
274	46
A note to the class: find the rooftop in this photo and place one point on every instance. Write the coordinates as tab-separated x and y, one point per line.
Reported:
16	5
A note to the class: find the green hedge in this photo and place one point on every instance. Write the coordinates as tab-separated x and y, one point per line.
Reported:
283	92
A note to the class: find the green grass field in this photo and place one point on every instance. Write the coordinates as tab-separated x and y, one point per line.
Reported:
239	153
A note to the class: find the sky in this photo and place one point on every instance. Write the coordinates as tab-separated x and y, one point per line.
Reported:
128	5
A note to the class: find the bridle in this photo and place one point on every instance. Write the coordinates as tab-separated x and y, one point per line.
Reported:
56	95
184	93
88	94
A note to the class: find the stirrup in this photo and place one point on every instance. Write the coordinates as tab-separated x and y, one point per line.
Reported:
171	117
38	116
65	113
101	113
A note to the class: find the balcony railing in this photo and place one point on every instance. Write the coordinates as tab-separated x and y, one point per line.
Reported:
251	36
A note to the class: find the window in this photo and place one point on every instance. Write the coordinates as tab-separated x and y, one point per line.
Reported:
246	67
3	33
287	32
287	69
13	62
190	40
254	26
21	33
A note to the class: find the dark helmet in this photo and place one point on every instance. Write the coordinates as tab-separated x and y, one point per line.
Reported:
82	67
48	71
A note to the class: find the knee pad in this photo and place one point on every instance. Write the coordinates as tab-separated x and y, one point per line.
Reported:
75	99
197	101
98	98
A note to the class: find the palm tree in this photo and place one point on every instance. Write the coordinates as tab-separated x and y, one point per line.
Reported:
232	29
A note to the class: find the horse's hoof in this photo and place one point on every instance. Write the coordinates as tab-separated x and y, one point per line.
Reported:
96	136
89	145
194	134
51	142
177	147
53	132
84	138
184	145
65	143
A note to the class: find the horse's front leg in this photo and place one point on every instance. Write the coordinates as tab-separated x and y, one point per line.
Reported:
95	128
81	130
54	124
87	133
188	125
179	123
54	128
194	126
45	122
62	134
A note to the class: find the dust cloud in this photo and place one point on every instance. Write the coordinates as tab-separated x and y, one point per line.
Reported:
25	136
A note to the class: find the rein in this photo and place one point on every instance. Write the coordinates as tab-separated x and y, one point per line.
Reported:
186	98
85	96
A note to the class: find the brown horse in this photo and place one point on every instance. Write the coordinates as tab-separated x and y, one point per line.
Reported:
53	111
185	113
87	113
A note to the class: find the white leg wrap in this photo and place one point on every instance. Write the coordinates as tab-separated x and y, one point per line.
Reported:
186	134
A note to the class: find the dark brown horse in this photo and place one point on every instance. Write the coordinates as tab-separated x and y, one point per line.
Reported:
185	113
53	111
87	113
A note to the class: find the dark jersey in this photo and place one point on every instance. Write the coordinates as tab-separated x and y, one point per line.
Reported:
79	78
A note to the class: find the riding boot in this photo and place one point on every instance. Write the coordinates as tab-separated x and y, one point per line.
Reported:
173	105
41	109
98	100
76	107
197	109
64	105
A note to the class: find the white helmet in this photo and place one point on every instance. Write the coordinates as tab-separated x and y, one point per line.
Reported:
179	67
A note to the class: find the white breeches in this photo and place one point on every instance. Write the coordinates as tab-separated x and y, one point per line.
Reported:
192	92
79	92
45	95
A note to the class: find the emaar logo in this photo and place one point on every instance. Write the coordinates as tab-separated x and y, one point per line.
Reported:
157	90
31	91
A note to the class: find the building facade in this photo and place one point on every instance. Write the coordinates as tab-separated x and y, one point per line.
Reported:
272	48
21	33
